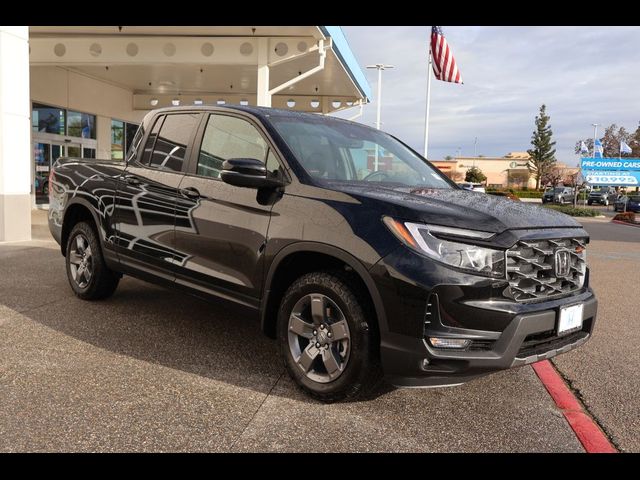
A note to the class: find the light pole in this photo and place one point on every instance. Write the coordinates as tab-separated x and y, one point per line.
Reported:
475	151
595	133
380	67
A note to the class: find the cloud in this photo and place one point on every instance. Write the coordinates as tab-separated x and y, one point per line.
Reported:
584	75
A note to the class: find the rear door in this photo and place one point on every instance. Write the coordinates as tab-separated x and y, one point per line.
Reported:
147	192
223	248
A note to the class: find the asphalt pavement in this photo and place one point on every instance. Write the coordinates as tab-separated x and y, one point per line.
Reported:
151	369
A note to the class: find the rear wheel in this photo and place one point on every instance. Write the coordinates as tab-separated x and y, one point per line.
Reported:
589	202
326	338
88	275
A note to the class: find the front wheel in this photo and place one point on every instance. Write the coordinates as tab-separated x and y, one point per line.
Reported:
88	275
327	337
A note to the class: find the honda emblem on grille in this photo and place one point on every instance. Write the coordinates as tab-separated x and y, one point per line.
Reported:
562	262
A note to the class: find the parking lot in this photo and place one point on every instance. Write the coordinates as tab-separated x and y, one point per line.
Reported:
155	370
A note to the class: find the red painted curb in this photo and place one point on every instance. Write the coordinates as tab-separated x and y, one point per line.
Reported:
589	434
625	223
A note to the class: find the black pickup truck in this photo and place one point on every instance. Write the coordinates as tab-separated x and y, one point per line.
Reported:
360	257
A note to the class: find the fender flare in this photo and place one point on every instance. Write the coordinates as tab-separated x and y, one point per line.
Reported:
77	200
332	251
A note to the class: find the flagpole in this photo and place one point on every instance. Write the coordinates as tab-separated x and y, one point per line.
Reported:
426	117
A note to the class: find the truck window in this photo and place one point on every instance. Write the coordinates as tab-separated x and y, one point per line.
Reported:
228	137
171	145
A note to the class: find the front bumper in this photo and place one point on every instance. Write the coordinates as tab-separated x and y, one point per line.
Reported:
424	299
529	338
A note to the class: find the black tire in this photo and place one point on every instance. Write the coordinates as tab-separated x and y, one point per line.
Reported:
589	202
102	281
362	372
606	203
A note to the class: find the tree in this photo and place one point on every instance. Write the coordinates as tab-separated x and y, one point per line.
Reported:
475	175
520	178
542	154
448	157
454	175
553	177
611	141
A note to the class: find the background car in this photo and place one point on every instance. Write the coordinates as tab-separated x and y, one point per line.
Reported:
473	187
602	195
558	195
632	201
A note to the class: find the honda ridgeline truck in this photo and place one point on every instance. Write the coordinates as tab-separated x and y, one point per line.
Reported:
361	258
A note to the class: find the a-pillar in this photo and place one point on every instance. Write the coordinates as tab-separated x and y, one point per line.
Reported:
263	97
15	135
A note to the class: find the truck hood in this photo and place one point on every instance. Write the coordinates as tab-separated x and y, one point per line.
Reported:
458	208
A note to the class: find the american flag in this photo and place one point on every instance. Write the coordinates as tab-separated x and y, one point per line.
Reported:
444	65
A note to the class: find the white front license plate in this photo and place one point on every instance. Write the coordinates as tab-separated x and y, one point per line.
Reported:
570	318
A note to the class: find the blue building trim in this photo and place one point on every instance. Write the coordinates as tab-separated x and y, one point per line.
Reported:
348	59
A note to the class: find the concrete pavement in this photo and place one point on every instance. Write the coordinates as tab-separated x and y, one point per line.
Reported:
606	371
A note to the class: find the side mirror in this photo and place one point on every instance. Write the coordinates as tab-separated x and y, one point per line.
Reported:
249	173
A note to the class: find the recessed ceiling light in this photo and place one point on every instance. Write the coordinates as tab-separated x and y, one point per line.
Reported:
153	102
175	102
197	101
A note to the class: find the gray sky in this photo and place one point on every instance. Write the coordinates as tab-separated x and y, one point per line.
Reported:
584	75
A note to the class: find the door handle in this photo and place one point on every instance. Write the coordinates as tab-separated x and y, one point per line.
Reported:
190	192
131	180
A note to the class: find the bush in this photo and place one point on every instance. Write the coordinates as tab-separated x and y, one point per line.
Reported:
527	193
574	212
628	217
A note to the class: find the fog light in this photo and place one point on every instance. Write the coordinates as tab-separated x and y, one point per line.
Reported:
449	342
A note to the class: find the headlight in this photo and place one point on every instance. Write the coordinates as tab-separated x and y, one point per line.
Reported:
472	258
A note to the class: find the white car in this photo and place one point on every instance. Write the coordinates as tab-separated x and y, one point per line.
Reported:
474	187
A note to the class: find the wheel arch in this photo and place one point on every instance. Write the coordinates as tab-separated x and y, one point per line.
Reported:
316	254
76	211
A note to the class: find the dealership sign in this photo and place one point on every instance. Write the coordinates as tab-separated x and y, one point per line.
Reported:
611	171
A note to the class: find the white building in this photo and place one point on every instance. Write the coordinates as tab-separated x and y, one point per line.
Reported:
81	91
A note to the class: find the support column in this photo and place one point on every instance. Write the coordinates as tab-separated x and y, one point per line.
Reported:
264	98
15	135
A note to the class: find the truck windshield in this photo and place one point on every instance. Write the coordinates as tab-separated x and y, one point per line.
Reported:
334	150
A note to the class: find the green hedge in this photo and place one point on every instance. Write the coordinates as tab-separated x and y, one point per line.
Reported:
527	194
574	212
518	193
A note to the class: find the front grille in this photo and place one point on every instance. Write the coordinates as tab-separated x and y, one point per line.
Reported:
531	269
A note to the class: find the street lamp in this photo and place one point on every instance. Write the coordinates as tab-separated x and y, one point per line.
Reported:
380	67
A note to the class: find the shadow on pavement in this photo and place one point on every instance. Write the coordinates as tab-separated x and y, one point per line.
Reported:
217	340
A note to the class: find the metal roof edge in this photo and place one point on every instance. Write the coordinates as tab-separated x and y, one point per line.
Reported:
347	58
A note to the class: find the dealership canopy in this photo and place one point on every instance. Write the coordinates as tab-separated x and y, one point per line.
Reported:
307	68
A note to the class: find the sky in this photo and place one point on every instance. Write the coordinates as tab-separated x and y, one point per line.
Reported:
584	75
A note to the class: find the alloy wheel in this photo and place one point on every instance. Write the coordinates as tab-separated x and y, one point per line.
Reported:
81	261
319	338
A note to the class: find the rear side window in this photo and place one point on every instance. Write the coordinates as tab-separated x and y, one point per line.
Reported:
135	143
171	144
151	141
229	137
